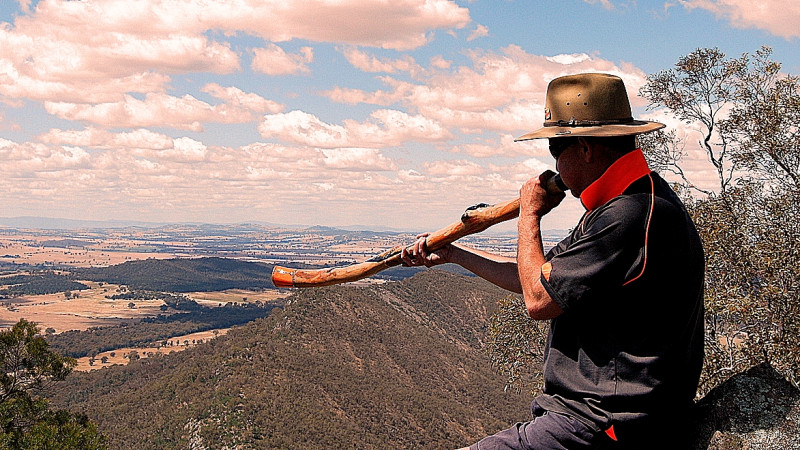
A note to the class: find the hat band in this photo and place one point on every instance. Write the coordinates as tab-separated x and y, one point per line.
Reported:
587	123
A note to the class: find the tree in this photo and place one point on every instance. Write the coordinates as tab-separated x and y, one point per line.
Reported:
27	369
764	121
697	90
746	112
26	364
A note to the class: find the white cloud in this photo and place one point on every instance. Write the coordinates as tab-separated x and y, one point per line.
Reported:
368	63
186	149
260	181
779	17
501	92
458	169
399	25
479	32
236	99
438	62
358	159
273	60
87	59
36	160
386	128
159	109
605	3
102	139
436	131
504	147
565	59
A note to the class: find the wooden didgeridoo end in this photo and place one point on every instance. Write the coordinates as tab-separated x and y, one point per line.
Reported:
283	277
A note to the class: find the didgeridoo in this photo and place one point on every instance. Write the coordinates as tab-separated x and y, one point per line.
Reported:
474	220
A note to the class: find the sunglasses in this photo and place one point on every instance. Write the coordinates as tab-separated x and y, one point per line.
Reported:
558	145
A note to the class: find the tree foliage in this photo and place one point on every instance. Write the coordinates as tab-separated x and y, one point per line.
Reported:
38	283
515	345
697	90
182	274
746	111
27	368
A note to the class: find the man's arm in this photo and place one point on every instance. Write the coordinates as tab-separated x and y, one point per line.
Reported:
497	269
535	202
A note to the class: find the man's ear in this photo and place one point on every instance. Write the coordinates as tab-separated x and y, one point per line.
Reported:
587	150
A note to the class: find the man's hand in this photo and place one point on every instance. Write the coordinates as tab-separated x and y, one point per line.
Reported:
535	200
419	255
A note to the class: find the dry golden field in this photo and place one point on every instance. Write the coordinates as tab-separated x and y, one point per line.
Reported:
93	309
122	355
235	296
90	309
28	249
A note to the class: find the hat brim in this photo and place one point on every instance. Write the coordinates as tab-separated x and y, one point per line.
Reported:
627	129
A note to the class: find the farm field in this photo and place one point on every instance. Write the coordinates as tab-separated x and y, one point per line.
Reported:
50	249
236	296
122	356
91	308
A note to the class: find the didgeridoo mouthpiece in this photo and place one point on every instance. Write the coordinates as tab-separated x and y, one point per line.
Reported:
555	184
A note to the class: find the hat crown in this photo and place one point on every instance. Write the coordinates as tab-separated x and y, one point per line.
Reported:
588	104
588	97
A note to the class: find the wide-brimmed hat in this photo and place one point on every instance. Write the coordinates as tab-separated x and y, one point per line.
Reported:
588	104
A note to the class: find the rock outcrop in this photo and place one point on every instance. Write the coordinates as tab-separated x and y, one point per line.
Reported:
756	409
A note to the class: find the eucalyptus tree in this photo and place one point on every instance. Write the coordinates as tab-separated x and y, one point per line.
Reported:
746	112
28	368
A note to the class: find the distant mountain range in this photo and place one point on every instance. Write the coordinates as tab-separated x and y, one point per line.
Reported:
399	365
49	223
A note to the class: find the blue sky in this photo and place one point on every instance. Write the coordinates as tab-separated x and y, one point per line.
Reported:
349	113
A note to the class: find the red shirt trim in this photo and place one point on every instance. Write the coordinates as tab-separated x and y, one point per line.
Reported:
627	169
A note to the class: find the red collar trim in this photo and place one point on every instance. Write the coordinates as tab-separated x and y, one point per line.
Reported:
627	169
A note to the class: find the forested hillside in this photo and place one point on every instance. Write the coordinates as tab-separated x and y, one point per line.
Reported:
182	274
203	274
398	365
37	283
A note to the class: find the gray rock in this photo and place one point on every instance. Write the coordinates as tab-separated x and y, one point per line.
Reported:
756	409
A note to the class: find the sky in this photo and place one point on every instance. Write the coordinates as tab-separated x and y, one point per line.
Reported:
378	114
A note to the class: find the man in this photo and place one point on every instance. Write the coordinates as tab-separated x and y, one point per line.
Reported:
623	291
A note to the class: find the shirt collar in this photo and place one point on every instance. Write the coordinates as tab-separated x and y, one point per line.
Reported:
621	174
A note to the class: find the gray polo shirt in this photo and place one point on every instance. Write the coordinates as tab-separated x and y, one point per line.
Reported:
628	349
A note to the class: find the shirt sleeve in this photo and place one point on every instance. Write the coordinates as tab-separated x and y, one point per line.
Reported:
601	253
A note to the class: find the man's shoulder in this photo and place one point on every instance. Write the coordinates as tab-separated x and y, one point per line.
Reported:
624	210
647	193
